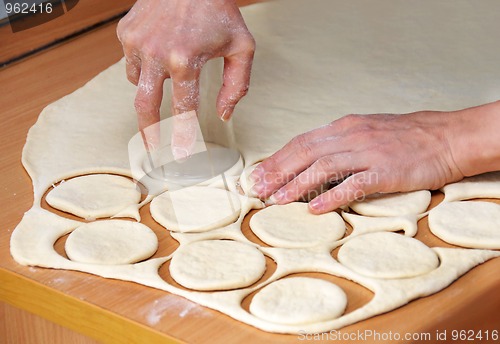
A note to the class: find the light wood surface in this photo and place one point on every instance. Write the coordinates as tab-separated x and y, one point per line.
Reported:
112	311
27	328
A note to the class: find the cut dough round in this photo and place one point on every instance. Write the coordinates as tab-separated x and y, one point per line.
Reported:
486	185
217	265
94	196
299	300
111	242
393	204
468	224
387	255
195	209
293	226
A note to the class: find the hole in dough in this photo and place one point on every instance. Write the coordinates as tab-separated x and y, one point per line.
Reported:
217	265
299	300
293	226
387	255
59	246
195	209
480	228
393	204
111	242
247	232
94	196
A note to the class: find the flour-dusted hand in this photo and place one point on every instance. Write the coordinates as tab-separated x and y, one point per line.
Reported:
174	39
381	153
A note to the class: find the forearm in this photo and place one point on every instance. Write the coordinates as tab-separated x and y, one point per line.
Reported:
473	135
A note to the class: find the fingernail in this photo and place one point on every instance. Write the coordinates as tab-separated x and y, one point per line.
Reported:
277	197
269	202
226	115
150	146
256	190
316	204
256	175
179	153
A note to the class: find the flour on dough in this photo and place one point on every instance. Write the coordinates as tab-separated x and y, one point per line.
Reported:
293	226
394	204
195	209
111	242
387	255
299	300
217	265
96	196
486	185
479	229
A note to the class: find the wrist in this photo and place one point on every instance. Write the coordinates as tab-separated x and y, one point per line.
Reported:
472	134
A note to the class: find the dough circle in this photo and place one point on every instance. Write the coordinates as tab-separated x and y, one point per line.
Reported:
217	265
195	209
111	242
387	255
479	228
394	204
293	226
94	196
486	185
299	300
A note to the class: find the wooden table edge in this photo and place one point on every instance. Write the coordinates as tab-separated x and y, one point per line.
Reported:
73	313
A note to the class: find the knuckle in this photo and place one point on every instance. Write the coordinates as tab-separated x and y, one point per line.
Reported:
304	151
298	141
239	93
324	164
133	77
181	60
143	105
353	118
249	44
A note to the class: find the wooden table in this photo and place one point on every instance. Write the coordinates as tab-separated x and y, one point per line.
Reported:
43	305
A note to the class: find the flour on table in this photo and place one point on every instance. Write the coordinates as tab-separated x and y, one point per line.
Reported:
316	61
